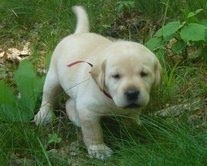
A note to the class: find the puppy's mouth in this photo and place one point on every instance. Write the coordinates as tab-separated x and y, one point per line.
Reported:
133	105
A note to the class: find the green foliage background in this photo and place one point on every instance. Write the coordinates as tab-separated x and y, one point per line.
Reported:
19	105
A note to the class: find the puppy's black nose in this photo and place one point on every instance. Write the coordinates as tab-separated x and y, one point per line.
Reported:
132	95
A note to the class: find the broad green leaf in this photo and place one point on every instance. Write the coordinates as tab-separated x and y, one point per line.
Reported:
198	11
29	86
6	95
13	108
8	106
161	54
169	29
178	46
193	32
192	14
154	43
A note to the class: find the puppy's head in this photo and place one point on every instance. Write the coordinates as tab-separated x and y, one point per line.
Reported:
128	73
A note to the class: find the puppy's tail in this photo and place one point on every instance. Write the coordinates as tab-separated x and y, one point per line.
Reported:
82	19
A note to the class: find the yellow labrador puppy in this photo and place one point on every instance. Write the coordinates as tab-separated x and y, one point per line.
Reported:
101	77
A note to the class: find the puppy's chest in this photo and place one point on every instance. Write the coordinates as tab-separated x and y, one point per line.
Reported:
111	109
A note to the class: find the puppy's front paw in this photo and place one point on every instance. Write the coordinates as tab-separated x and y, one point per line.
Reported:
100	151
43	117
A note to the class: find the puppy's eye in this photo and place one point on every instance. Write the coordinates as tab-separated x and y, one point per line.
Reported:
143	74
116	76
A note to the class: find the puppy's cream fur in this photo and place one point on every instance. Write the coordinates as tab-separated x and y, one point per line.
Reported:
125	70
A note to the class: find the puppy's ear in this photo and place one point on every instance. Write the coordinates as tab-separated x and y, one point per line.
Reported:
158	70
98	74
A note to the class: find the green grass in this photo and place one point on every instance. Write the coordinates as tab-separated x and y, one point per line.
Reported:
165	143
159	141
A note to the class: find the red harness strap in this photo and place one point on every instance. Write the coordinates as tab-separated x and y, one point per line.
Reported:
106	94
77	62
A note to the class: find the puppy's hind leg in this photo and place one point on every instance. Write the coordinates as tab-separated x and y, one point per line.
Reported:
50	91
72	113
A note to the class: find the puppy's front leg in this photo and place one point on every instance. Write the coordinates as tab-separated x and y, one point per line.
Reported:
93	137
